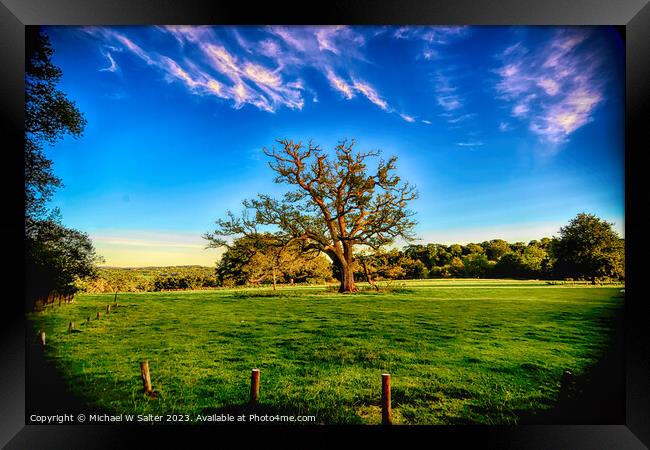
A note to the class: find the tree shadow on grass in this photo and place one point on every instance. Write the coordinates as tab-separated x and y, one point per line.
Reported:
46	391
597	397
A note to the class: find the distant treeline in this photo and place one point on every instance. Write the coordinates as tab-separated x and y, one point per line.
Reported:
149	279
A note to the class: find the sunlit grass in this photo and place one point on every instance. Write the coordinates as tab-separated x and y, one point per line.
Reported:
461	351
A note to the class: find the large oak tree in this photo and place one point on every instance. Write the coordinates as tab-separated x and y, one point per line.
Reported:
336	203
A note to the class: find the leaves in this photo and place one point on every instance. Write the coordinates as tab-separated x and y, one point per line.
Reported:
49	116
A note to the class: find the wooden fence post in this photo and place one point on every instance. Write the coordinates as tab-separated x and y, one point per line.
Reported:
386	418
70	327
146	377
255	386
115	299
98	315
41	338
108	309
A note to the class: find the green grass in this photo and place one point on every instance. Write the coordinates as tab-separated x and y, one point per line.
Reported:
459	351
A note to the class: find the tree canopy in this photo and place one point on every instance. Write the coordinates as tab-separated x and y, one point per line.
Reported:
588	247
336	203
49	115
255	259
56	257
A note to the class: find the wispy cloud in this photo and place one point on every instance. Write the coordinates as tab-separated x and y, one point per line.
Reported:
370	93
556	88
267	73
470	144
449	99
339	84
113	65
431	38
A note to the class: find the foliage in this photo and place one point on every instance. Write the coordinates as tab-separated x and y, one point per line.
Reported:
336	204
49	115
149	279
475	265
589	248
57	258
263	257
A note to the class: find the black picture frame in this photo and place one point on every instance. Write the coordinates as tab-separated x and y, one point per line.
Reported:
631	16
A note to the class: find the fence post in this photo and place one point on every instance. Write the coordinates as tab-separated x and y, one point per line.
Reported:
108	309
566	385
255	386
146	377
70	327
98	314
41	338
386	418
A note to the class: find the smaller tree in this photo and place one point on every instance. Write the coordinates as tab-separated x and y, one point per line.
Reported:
257	257
589	248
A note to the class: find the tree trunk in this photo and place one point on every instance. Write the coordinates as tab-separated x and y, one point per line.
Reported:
368	277
347	279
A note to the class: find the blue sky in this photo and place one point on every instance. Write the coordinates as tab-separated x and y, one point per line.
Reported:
507	132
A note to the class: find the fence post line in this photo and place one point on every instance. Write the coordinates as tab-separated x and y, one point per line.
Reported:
146	377
386	418
255	386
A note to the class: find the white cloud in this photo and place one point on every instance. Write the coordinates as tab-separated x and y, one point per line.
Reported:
556	89
113	65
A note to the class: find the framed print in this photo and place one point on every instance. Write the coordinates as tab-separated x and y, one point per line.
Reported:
375	220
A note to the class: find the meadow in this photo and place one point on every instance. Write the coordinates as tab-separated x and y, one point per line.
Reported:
459	351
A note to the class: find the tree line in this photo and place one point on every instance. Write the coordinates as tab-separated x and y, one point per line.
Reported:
599	257
148	279
586	249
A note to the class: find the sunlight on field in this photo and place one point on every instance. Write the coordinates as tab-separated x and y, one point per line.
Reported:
459	351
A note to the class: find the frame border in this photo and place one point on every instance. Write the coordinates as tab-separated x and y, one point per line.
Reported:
633	15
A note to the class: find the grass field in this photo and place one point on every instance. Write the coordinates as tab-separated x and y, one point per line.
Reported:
459	351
